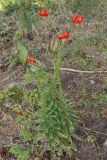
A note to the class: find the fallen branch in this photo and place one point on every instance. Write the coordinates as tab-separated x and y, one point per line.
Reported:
80	71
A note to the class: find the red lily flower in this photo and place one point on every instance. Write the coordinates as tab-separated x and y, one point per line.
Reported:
60	36
63	35
77	19
43	13
31	59
66	34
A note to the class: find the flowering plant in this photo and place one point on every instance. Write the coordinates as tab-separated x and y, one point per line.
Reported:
48	119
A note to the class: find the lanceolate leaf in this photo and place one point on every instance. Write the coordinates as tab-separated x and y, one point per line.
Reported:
22	54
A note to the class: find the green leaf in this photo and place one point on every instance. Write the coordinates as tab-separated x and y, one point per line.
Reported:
26	134
27	78
19	118
24	155
15	149
27	123
22	54
20	152
62	135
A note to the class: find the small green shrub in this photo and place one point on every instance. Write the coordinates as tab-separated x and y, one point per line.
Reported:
48	120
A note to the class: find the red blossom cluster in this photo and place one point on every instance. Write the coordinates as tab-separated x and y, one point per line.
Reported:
63	35
31	59
76	19
43	13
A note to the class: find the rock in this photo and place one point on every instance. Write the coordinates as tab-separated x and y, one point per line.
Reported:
92	82
15	84
105	143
